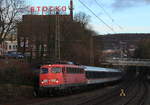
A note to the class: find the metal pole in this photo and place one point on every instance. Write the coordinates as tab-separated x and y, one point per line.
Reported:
91	52
57	37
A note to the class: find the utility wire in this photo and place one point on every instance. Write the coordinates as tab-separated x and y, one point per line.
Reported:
107	13
97	16
104	10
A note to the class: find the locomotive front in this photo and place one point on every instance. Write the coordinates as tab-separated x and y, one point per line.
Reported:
51	76
58	77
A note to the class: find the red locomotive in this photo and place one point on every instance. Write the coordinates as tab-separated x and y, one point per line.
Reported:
61	75
56	77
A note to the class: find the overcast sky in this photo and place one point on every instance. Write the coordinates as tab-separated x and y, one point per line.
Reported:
129	16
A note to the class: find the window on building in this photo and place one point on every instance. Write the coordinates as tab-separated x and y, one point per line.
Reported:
9	46
14	47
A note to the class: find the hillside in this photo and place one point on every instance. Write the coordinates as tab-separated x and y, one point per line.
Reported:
115	41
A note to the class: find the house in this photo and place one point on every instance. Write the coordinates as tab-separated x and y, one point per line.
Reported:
8	46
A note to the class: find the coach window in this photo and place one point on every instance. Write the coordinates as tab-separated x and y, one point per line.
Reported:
71	70
68	70
87	74
91	74
79	71
75	70
56	70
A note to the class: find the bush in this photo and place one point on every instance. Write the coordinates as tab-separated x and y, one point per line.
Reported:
15	72
10	93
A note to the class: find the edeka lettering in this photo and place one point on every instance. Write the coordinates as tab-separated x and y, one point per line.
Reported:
48	8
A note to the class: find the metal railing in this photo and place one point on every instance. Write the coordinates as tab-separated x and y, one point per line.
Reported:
128	61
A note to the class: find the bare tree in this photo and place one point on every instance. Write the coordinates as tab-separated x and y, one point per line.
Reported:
10	14
82	18
77	44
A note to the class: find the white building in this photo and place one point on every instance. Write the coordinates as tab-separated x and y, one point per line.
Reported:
8	46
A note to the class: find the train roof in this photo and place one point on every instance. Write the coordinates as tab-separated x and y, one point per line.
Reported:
91	68
63	65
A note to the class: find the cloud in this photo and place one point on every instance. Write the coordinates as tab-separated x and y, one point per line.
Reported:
121	4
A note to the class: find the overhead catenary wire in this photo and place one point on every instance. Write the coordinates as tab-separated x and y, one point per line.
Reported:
97	17
99	4
104	10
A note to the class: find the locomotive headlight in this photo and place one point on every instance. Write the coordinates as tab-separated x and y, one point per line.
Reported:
57	81
54	80
44	81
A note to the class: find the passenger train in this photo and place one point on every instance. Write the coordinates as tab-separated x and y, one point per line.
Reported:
66	76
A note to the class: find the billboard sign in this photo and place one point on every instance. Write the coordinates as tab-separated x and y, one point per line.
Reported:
48	9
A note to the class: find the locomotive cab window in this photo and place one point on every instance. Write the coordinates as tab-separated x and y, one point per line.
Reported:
44	70
56	70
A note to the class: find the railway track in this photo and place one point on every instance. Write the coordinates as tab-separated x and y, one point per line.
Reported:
109	97
90	99
136	94
140	96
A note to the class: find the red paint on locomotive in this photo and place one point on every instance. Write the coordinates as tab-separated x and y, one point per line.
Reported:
62	75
